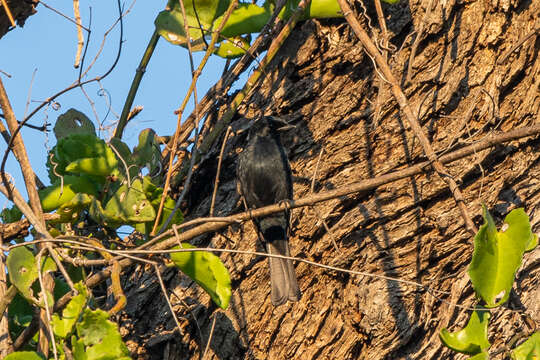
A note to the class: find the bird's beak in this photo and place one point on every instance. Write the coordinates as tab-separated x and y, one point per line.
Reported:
284	124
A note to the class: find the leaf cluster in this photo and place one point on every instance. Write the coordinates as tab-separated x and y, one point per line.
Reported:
496	258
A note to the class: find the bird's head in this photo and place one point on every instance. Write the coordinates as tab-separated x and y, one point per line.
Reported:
267	125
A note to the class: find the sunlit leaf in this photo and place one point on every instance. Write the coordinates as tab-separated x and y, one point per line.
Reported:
473	338
529	350
58	194
245	19
130	203
497	256
81	154
98	338
232	48
22	271
24	355
170	22
63	326
207	270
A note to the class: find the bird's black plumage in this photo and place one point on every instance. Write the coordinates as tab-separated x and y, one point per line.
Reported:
264	178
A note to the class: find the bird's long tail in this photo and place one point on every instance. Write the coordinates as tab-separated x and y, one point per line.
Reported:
282	274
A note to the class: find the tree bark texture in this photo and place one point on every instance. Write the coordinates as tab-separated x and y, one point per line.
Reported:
464	84
20	10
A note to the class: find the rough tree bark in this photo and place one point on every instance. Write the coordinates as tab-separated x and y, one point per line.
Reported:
20	10
464	85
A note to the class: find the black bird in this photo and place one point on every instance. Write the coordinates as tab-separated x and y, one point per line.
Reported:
264	178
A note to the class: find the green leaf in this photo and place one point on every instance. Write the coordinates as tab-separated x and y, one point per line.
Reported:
69	211
24	355
98	338
73	122
81	154
473	338
11	215
102	166
147	152
22	271
233	47
529	350
154	193
533	243
62	327
131	204
58	194
245	19
207	270
170	22
125	159
20	314
324	9
497	256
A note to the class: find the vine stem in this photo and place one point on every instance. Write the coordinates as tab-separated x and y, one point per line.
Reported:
379	60
135	85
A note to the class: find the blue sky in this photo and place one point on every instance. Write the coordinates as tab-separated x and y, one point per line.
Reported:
47	43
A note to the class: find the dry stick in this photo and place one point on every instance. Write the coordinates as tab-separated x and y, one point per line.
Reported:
80	37
210	337
29	177
175	142
384	31
164	290
315	210
6	298
520	42
372	51
8	12
30	182
218	172
364	185
22	157
417	39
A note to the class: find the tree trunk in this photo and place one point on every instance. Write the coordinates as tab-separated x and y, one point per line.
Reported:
464	84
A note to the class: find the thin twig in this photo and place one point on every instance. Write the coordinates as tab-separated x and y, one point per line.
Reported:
62	14
216	182
164	290
78	83
210	336
520	42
